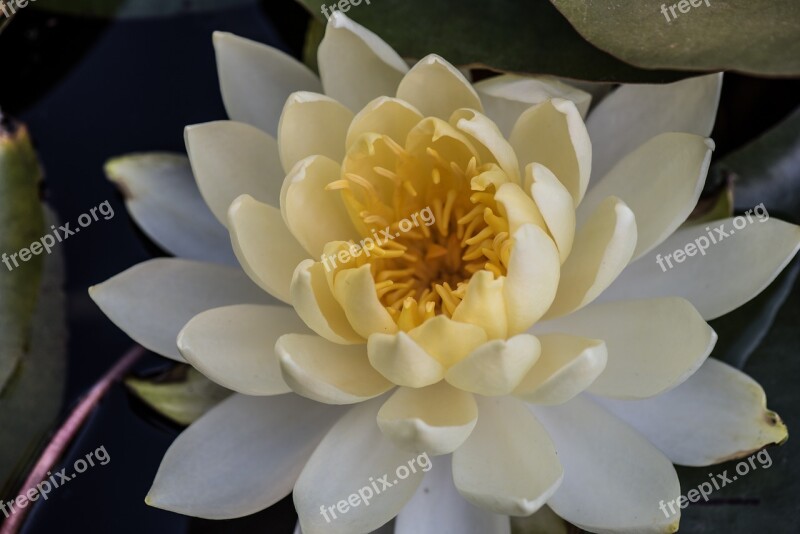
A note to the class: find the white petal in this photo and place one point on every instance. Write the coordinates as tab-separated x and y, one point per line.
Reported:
312	124
258	445
153	300
385	116
717	415
553	134
614	479
353	454
400	359
566	367
555	204
729	273
162	197
230	159
232	346
434	419
508	465
447	340
305	194
437	508
257	79
328	372
437	89
356	65
355	291
497	367
633	114
602	249
660	181
653	345
507	96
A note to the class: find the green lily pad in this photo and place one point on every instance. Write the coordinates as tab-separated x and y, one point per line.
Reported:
504	35
752	36
135	8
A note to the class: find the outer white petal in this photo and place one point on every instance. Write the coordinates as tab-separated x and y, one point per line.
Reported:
717	415
312	124
162	197
437	89
230	159
400	359
633	114
552	133
350	454
614	478
507	96
231	346
438	508
567	366
602	249
509	464
653	344
257	444
256	80
660	181
328	372
153	300
434	419
721	278
356	65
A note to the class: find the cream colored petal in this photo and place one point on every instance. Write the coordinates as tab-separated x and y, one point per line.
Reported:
660	182
727	272
436	419
256	80
328	372
484	133
598	450
509	464
632	114
230	159
354	289
437	89
314	215
316	305
312	124
555	205
356	65
717	415
448	341
266	250
518	208
567	366
553	134
153	300
385	116
532	278
602	249
400	359
231	346
653	345
484	305
497	367
507	96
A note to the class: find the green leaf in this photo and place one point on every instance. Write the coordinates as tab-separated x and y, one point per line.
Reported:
135	8
22	223
753	36
504	35
182	395
32	398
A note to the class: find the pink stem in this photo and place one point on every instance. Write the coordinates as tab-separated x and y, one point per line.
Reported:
63	437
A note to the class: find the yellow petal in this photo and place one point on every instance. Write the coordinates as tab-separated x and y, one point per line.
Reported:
446	340
400	359
497	367
385	116
484	133
355	291
518	208
484	305
555	205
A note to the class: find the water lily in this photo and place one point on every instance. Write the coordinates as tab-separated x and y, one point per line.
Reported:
526	339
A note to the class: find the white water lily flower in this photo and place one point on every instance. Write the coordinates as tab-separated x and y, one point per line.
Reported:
527	336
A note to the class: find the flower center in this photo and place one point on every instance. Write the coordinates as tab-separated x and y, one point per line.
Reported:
431	207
